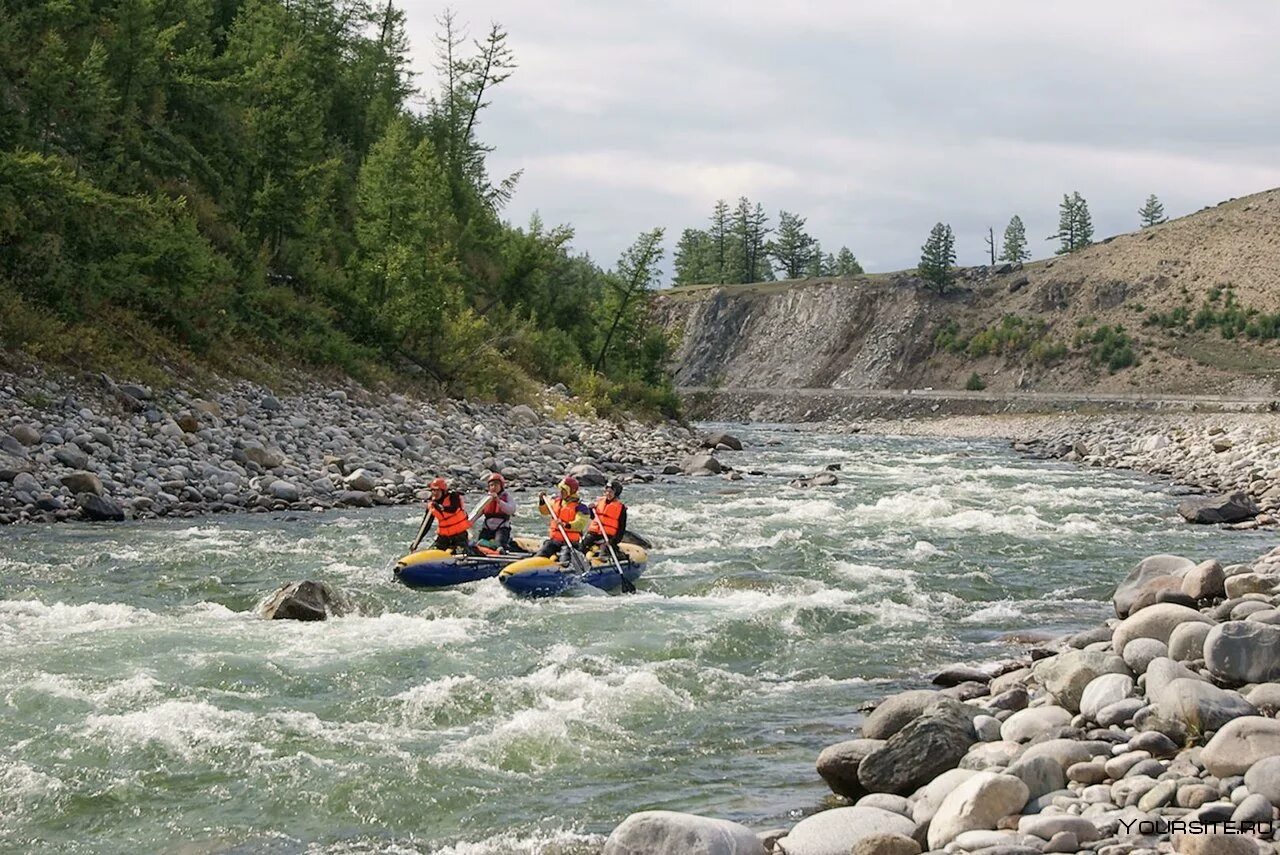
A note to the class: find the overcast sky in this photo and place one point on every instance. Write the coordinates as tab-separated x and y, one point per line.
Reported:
875	119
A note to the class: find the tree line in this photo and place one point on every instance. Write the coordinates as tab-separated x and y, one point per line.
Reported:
738	246
250	174
1075	232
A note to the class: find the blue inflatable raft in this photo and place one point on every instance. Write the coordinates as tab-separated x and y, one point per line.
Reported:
439	568
546	577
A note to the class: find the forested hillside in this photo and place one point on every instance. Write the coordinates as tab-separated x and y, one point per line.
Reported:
243	181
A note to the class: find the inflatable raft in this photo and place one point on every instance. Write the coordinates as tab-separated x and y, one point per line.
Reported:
546	577
439	568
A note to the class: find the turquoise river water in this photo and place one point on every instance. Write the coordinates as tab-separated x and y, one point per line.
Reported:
145	708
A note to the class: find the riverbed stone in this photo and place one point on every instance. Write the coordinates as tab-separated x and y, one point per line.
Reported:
1156	621
886	843
306	601
1205	581
1041	775
653	831
1045	826
1213	844
1263	777
1067	674
929	745
701	464
1120	713
896	711
100	508
1152	567
1241	652
1103	691
1141	652
1239	744
1201	706
837	831
1214	510
1186	642
838	765
976	804
1243	584
1034	722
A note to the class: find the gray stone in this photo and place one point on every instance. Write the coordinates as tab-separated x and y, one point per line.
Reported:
838	765
701	464
82	482
1041	775
1141	652
987	728
1063	841
1201	706
896	711
886	844
1213	844
1103	691
1212	510
1066	751
1243	584
72	456
653	831
1204	581
1266	697
925	801
1067	674
978	803
1243	652
1186	643
1092	772
100	508
915	755
1156	621
1263	778
887	801
718	438
267	458
1163	671
284	490
1255	808
1241	743
1034	722
361	480
1119	713
25	434
354	499
1045	827
1146	570
588	475
306	600
837	831
1154	743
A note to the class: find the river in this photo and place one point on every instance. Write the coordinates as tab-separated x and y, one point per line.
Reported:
147	708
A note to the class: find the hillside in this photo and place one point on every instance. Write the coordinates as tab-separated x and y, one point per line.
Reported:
1191	306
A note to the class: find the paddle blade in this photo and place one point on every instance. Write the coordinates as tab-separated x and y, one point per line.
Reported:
638	540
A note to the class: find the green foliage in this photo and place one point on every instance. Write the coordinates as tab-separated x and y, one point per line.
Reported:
1011	335
975	383
1110	346
1075	225
249	174
1152	212
938	257
846	264
1220	310
1015	242
794	249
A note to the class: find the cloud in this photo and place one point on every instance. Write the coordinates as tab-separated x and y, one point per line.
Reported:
875	119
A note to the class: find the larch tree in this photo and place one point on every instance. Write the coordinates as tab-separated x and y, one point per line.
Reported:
1152	212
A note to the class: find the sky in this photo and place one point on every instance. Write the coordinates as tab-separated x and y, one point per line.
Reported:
874	120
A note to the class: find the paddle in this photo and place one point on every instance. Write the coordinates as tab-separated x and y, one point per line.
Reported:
631	537
627	587
577	561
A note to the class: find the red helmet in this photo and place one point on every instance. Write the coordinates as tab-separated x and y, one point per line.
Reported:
439	484
569	486
497	476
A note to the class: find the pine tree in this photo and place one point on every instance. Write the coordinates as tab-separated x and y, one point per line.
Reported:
1152	212
937	257
1015	242
719	235
693	260
1075	226
794	249
750	231
845	264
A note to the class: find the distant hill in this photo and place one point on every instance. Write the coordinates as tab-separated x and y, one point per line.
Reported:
1191	306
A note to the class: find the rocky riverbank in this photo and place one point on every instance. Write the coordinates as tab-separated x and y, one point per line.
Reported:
97	449
1154	733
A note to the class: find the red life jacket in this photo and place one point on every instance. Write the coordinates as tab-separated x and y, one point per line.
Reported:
610	514
450	523
566	511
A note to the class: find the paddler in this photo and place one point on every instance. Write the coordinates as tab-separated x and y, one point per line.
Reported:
608	518
445	509
495	527
567	510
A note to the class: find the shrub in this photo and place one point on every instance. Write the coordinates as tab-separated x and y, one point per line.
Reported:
975	383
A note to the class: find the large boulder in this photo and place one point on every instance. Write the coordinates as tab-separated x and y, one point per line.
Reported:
304	600
1067	674
1147	569
361	480
978	803
1232	508
83	482
1034	722
1263	778
915	755
896	711
1186	642
838	765
1243	651
681	834
1041	775
1204	581
836	832
1241	743
886	843
717	438
1104	691
1199	705
256	453
927	799
701	464
588	475
100	508
72	456
1157	621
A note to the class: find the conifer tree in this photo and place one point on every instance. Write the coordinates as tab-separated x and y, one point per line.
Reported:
1015	242
937	257
1152	212
845	264
1075	226
793	248
693	260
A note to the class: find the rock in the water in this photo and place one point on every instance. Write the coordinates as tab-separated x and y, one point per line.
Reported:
837	831
838	765
1156	621
713	440
653	831
100	508
1209	510
1067	674
304	600
896	711
1241	743
701	464
915	755
978	803
1243	652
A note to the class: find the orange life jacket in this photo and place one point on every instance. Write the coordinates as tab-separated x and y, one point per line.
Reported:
450	523
610	514
566	512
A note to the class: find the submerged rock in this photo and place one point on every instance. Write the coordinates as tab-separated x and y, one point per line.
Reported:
306	600
685	833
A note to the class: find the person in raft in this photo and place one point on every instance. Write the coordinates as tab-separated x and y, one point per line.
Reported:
571	514
495	527
608	518
446	511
